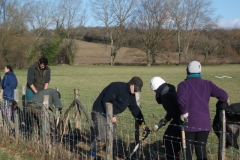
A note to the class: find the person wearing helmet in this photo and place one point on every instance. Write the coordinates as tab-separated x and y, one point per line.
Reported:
166	95
122	96
193	97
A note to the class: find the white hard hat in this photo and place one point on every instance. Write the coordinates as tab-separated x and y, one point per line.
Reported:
156	82
194	67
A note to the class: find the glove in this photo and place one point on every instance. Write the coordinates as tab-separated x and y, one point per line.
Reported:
146	132
60	110
161	123
184	116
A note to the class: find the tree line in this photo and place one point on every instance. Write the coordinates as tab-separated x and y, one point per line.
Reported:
29	29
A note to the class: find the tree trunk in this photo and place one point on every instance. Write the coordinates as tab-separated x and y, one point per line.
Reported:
149	59
179	47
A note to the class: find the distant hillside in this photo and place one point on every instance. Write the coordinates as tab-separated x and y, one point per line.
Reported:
94	53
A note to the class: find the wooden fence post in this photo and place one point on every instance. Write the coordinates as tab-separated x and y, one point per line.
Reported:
137	96
45	124
222	139
57	115
109	139
23	97
77	119
16	116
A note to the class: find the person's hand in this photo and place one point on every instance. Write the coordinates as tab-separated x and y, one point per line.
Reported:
114	119
184	116
161	123
146	132
60	110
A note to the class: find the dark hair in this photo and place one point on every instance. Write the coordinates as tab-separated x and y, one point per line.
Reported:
10	68
137	82
43	60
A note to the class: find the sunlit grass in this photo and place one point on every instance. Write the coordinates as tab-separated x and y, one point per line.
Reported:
90	80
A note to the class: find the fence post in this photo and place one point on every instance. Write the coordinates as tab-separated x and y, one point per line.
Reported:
16	116
57	115
77	119
45	124
137	96
23	97
1	107
109	139
222	139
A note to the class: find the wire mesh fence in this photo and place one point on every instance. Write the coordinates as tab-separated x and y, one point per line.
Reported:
69	135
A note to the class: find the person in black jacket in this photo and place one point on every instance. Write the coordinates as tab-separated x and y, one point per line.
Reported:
121	95
167	96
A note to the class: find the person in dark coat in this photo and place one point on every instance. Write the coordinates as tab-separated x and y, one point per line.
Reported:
166	95
232	115
122	96
193	97
38	77
9	83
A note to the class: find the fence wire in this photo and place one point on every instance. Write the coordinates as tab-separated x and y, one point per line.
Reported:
74	134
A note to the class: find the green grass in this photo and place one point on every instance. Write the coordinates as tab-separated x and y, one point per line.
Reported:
90	80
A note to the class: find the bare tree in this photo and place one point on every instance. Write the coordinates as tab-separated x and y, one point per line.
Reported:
114	15
189	16
12	28
70	17
152	23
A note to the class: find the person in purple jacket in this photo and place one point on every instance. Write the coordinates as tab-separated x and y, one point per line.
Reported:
193	97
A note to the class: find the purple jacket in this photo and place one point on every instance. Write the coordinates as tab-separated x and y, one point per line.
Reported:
193	97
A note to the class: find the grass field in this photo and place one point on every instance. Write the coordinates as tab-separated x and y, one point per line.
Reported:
90	80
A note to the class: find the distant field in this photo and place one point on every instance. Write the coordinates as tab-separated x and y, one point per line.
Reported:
88	53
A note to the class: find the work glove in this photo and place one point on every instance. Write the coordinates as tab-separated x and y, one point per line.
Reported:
161	123
146	132
60	110
184	117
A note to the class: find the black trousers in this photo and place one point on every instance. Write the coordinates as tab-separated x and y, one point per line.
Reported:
172	141
197	140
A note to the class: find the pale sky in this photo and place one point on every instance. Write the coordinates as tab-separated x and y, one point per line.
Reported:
229	10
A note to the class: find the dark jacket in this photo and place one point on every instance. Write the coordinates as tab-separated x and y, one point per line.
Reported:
232	113
118	94
9	83
193	97
167	96
38	77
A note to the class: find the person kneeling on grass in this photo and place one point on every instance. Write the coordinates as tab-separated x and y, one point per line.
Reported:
35	104
120	95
